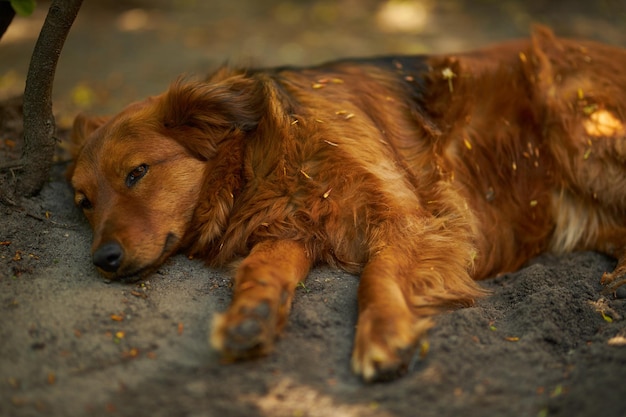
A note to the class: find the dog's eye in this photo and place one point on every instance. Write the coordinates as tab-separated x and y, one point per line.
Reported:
136	174
84	203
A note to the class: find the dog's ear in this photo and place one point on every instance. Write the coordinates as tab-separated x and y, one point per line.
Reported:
200	115
83	127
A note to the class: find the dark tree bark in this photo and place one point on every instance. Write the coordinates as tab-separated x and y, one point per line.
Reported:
39	127
6	16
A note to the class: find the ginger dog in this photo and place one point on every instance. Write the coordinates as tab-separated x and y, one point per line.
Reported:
422	174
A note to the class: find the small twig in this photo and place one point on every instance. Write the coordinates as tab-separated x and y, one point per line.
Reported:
7	201
12	164
44	219
21	162
15	206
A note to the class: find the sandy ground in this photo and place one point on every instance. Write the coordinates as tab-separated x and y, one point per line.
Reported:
546	343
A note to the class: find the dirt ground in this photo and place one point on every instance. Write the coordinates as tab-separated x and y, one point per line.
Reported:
546	343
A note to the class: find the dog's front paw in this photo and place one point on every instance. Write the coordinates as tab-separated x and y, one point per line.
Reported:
245	331
385	344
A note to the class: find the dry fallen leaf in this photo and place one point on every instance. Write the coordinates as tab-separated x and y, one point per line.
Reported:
558	390
132	353
83	96
424	349
608	313
139	294
617	341
14	382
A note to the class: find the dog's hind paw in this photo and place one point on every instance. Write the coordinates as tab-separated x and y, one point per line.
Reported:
385	346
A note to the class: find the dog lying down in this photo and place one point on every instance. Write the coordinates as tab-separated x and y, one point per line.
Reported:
420	173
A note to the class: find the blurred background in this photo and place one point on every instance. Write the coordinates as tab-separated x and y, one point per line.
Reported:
119	51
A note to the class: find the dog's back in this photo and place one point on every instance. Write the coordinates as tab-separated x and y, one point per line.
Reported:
509	134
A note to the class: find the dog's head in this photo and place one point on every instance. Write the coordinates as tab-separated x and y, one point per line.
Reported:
140	174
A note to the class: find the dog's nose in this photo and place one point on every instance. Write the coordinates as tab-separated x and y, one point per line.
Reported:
108	256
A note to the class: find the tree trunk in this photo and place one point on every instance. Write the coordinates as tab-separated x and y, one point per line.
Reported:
39	127
6	16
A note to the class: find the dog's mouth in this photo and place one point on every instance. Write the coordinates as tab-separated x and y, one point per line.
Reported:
132	272
134	275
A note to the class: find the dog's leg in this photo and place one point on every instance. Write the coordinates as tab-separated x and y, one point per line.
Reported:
387	330
264	285
398	293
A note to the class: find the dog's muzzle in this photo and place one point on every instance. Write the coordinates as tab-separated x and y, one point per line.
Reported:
109	256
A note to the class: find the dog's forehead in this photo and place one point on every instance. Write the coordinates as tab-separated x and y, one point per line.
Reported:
121	130
101	139
110	140
123	143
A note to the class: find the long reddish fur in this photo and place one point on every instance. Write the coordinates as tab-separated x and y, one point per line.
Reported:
420	175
